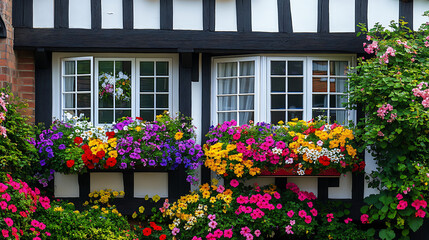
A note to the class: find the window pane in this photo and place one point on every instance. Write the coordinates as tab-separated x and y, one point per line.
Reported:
72	112
278	84
86	113
339	116
105	101
295	68
123	103
162	84
69	67
147	115
338	68
317	113
278	101
319	85
158	112
246	102
245	117
146	69
278	116
295	84
69	101
123	89
84	83
105	116
247	68
227	69
146	84
84	67
320	101
123	67
247	85
227	103
222	117
162	68
295	101
278	68
105	67
84	100
227	86
292	115
147	101
122	113
337	101
162	101
69	84
320	67
338	85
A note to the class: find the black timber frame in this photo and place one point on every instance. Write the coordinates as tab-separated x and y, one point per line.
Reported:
61	13
285	16
22	13
406	12
3	30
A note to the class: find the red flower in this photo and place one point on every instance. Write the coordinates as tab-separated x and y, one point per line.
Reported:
147	231
324	160
70	163
78	140
163	237
110	134
101	154
111	162
152	224
139	118
85	148
157	228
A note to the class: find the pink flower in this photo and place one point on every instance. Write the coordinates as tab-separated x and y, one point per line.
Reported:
220	189
236	136
290	213
3	205
399	196
227	233
308	219
380	134
347	220
420	213
419	203
5	233
35	223
257	232
310	204
9	222
330	216
175	231
292	222
212	224
288	229
197	238
37	238
218	233
313	212
3	187
12	208
250	141
42	226
6	197
364	218
276	195
302	213
279	206
212	217
402	205
234	183
48	234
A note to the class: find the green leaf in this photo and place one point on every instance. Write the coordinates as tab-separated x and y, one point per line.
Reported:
405	232
415	223
387	234
364	209
370	232
402	158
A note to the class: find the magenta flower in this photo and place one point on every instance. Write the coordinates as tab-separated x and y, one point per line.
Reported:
290	213
5	233
228	233
8	221
234	183
3	187
364	218
402	205
420	213
213	224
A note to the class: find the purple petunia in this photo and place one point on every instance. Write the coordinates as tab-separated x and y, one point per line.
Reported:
152	162
42	162
62	147
123	165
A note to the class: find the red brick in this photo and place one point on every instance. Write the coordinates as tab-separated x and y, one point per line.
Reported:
25	81
26	66
29	74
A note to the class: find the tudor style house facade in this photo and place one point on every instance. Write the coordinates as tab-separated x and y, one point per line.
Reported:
214	60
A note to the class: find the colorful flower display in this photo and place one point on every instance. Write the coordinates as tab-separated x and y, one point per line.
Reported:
304	147
3	110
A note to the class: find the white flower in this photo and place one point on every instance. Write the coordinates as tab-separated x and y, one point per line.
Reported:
320	143
277	151
77	131
126	128
300	172
289	161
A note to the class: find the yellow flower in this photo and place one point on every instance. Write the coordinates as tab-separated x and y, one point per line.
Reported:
76	211
122	193
146	197
215	181
178	136
58	209
113	154
115	193
141	209
138	128
212	199
95	207
156	198
281	122
134	215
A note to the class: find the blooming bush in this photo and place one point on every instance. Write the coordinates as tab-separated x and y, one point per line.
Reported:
303	147
3	111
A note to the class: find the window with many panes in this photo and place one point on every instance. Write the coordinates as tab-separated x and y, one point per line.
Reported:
286	88
107	89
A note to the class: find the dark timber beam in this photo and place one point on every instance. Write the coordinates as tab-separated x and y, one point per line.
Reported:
61	13
406	12
361	13
285	16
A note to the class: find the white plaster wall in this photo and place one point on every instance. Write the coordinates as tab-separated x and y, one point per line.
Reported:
419	7
188	14
225	15
105	180
111	14
342	15
151	184
308	184
147	14
370	166
344	191
304	15
43	14
80	14
382	11
265	16
66	185
262	181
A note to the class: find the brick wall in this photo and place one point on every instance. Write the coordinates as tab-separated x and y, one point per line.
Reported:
16	67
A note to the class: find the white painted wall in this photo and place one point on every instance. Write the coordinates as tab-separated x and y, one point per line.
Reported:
344	191
265	16
43	14
261	181
188	14
304	15
342	15
111	14
308	184
419	7
147	14
106	180
66	185
370	166
382	11
151	184
225	15
80	14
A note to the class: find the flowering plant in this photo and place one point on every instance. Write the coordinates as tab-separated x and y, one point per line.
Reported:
119	86
3	111
304	147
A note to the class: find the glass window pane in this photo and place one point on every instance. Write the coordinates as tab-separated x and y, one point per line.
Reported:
295	101
84	100
162	101
222	117
69	67
320	101
147	101
105	67
69	84
292	114
247	85
295	67
69	100
227	103
338	85
147	115
339	116
122	113
245	117
123	90
247	68
105	116
320	85
146	85
162	68
147	69
278	84
227	69
123	69
317	113
105	101
338	101
295	84
278	101
278	116
86	113
320	67
247	102
162	84
227	86
84	67
278	68
72	112
84	83
123	103
338	68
